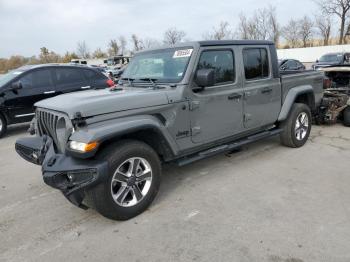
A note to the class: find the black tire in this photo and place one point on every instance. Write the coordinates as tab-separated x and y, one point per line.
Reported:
3	125
346	116
289	134
117	154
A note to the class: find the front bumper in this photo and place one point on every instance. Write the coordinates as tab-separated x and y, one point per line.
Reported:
70	175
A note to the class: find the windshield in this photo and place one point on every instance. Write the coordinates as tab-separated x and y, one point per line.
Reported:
166	65
4	79
335	58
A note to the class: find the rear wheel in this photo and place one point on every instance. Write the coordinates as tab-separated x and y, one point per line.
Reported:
297	127
346	116
133	182
3	125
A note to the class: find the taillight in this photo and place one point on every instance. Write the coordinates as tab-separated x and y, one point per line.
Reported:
327	83
110	82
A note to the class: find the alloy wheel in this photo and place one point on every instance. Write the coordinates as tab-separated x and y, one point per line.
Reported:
131	181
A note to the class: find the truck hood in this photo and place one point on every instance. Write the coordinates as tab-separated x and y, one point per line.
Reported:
97	102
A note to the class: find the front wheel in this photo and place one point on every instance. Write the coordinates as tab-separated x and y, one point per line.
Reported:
133	181
297	127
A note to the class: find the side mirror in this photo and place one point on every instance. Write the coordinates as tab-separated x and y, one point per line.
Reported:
317	61
205	77
16	85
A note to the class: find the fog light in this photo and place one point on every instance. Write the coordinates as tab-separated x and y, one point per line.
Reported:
82	147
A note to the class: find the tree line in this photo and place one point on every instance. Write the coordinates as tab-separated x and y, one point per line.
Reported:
330	25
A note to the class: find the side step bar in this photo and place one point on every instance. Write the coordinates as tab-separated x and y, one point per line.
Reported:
227	147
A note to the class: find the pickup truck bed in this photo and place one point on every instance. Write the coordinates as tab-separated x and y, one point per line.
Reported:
291	79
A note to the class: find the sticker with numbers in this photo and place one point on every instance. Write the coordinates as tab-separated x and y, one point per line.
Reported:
182	53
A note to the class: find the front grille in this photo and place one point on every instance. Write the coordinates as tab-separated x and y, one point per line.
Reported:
47	124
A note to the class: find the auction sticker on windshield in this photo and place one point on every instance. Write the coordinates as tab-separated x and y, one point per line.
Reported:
182	53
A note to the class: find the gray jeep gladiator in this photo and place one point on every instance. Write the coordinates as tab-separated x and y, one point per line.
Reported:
105	148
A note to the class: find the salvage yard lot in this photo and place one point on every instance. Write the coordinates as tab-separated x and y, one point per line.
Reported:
265	203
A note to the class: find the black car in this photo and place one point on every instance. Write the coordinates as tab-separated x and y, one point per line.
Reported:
332	59
21	88
290	65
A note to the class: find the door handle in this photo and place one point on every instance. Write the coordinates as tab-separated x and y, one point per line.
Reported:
266	90
234	96
85	87
49	92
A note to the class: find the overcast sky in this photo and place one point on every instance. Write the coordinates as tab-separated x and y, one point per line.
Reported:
27	25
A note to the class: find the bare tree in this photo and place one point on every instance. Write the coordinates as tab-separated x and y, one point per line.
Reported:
274	27
150	43
137	43
122	44
173	36
291	33
242	29
323	25
261	22
305	30
339	8
113	47
262	25
82	50
222	32
248	28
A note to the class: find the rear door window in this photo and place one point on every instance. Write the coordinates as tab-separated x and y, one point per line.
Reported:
69	75
93	75
256	63
37	79
222	61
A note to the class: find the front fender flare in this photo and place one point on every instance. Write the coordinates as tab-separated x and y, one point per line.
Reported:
109	129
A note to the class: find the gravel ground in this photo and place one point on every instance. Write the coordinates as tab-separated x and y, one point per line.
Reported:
265	203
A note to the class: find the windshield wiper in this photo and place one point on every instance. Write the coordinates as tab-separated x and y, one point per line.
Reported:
130	80
152	81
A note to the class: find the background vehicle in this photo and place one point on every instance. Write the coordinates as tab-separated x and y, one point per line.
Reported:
79	61
21	88
116	64
290	65
178	104
332	59
335	104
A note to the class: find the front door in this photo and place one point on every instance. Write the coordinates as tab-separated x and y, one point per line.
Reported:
36	85
216	111
262	92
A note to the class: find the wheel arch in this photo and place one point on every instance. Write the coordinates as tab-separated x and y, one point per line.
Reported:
148	129
149	135
301	94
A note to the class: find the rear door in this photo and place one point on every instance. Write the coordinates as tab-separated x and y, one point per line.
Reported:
95	78
70	79
37	85
262	92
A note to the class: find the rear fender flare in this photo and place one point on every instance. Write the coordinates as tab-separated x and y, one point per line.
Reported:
291	98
